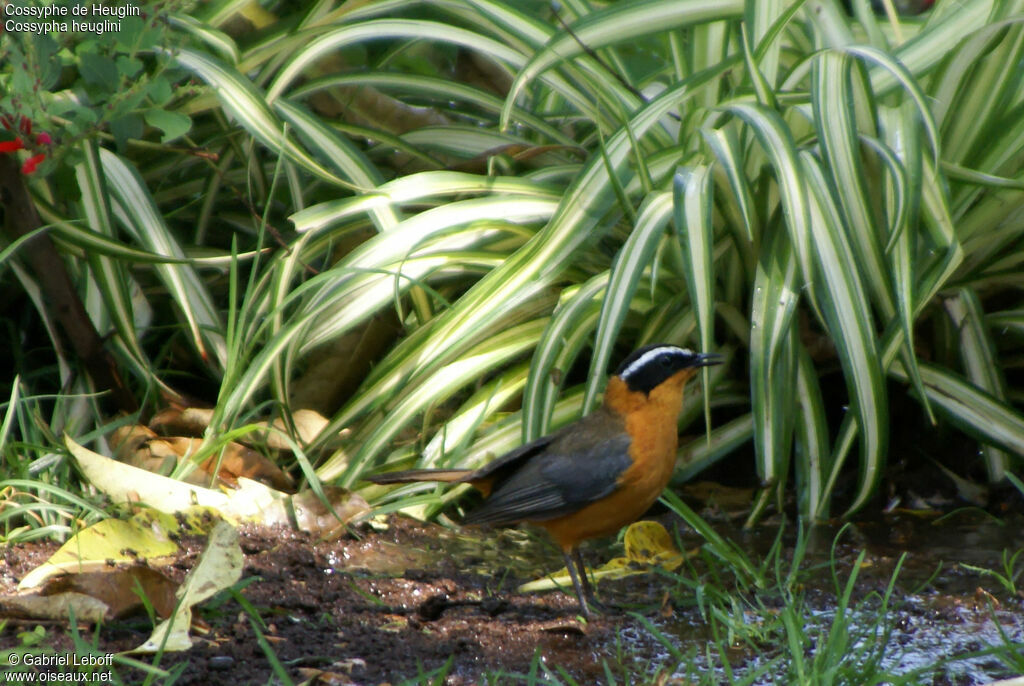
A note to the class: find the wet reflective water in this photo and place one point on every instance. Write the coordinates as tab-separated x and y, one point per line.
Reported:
946	621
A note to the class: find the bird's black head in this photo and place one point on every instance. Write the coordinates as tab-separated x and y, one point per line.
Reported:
651	365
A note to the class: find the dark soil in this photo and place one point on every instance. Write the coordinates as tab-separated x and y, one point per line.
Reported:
360	609
387	606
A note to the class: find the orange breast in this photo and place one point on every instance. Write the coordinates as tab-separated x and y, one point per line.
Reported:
652	425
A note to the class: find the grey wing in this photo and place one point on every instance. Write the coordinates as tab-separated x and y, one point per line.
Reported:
576	469
510	461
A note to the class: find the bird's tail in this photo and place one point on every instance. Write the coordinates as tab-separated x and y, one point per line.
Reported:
410	475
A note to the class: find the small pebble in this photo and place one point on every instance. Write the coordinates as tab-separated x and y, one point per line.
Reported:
221	662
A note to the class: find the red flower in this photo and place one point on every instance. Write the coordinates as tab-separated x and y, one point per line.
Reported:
25	127
31	164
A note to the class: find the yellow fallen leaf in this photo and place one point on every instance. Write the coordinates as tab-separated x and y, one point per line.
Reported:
127	484
92	549
219	567
252	501
124	483
647	544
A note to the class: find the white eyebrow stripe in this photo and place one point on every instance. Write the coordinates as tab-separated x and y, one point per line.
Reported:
650	355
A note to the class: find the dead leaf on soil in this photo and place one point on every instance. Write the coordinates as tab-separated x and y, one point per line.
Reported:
94	596
193	421
308	425
564	626
976	494
395	624
312	515
321	677
383	557
219	567
252	501
140	447
181	421
126	484
733	501
32	606
95	548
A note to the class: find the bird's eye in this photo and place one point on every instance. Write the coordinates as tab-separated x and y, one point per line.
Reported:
665	361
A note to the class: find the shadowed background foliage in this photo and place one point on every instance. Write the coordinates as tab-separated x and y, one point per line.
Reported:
417	218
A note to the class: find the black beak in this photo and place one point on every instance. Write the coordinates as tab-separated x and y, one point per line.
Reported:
706	359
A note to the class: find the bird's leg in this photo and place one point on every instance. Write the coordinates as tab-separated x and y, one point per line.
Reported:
570	565
577	557
588	590
581	582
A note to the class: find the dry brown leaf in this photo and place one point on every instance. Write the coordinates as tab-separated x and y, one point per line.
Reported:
97	595
308	425
59	607
178	421
131	446
140	447
116	588
313	516
236	460
727	498
193	421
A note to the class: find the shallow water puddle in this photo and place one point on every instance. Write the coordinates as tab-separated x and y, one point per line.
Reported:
945	622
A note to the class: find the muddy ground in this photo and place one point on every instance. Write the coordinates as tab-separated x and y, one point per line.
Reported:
339	607
383	606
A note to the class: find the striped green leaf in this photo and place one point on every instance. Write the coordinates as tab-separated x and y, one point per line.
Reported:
249	108
844	305
478	362
134	208
813	458
618	23
978	413
772	307
833	97
630	264
111	278
692	205
568	330
979	359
